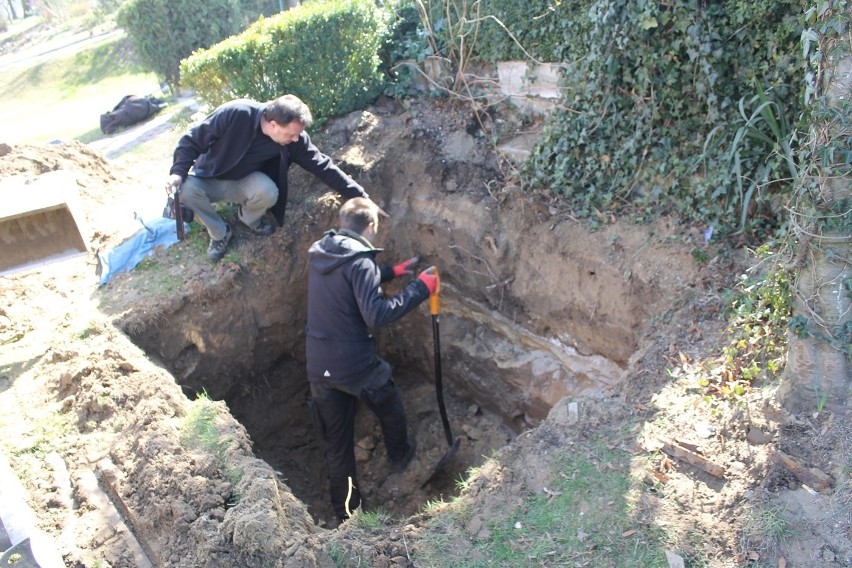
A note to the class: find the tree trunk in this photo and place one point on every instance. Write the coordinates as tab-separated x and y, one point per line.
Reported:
818	371
818	367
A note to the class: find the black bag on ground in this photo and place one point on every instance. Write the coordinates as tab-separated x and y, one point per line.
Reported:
129	111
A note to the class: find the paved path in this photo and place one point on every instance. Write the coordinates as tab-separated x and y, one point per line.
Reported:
63	45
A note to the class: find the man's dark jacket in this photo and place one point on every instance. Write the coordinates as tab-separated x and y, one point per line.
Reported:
217	144
345	299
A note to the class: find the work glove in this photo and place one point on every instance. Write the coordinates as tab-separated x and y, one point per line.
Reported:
405	267
430	278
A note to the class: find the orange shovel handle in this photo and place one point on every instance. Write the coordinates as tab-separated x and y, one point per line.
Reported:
433	298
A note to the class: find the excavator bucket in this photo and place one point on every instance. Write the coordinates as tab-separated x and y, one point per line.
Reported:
40	221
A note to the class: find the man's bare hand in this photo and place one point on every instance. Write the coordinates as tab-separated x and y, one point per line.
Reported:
379	210
173	183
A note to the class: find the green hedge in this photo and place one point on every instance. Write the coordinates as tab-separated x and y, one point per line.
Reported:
326	52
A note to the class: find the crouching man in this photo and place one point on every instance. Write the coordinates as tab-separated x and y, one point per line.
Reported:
241	154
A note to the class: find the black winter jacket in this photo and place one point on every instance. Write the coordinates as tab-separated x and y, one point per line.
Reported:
345	299
219	142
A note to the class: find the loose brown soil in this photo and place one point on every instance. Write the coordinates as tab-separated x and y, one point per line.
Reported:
96	382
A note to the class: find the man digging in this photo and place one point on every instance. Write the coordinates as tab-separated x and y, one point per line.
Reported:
345	299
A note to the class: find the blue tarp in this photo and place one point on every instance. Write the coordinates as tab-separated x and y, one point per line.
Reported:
123	258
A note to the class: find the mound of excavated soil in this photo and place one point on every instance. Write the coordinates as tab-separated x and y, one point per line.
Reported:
96	428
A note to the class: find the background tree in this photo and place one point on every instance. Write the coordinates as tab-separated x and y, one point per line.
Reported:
12	10
166	31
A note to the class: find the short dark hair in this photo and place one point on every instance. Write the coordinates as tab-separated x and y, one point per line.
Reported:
357	214
287	108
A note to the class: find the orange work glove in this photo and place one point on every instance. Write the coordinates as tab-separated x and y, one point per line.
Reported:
405	267
430	278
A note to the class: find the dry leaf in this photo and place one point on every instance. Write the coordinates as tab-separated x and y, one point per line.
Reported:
551	494
782	562
626	534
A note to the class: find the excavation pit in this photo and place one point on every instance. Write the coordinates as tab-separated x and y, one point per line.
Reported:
271	404
534	309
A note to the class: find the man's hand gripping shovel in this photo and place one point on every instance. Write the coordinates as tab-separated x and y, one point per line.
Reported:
434	305
173	209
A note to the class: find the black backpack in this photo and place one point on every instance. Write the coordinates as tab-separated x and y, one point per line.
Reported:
130	110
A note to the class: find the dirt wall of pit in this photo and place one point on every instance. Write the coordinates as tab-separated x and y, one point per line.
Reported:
534	306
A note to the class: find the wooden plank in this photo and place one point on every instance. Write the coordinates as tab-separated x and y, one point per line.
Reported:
810	476
677	451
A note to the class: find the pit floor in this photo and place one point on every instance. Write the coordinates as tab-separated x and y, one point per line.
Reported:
273	408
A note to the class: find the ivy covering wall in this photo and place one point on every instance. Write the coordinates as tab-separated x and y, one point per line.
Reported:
501	30
685	105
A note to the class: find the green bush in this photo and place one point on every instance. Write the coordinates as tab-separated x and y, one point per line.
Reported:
166	31
325	52
406	40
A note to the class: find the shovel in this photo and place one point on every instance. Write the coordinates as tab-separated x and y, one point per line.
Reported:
178	217
439	387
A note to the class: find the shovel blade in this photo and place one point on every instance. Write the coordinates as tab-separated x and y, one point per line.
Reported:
442	462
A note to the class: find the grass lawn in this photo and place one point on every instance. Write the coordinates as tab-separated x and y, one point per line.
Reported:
62	98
